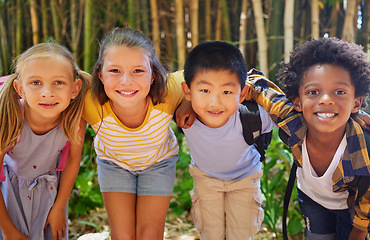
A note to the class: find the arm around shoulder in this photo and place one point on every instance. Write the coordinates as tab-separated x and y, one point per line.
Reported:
268	95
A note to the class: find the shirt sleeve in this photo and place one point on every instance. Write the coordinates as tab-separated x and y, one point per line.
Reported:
91	111
268	95
175	94
361	219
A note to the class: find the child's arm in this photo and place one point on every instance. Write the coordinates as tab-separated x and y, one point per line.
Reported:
361	221
56	217
268	95
9	230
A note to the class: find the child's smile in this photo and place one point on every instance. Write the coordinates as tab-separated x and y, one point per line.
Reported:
327	98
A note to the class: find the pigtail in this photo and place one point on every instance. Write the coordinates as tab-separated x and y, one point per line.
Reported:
11	117
73	113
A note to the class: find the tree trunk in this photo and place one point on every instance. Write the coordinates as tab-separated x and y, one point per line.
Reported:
365	30
144	16
288	29
348	31
276	44
194	21
74	24
155	25
315	19
180	33
226	21
131	13
56	22
166	19
34	22
19	29
333	21
243	27
44	19
88	35
5	58
219	20
261	36
208	16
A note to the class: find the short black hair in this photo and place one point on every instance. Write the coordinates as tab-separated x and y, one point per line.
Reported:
215	55
334	51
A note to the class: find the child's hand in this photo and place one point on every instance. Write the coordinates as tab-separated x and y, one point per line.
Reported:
57	221
185	115
363	119
16	236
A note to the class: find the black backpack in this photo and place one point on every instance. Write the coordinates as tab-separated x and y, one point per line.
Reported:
252	127
363	182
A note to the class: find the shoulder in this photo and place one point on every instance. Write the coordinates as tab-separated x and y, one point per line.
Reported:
91	109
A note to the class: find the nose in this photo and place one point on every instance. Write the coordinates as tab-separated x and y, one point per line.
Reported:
215	100
125	79
47	92
326	99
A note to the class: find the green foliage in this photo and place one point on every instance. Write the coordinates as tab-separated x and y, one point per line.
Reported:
86	193
181	201
273	183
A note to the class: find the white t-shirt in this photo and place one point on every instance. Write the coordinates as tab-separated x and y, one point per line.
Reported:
320	189
222	152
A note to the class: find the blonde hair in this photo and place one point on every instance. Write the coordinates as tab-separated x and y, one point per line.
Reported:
11	116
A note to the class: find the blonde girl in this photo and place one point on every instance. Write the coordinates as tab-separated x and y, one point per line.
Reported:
40	113
130	108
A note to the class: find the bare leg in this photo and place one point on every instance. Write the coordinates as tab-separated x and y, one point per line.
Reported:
151	214
121	214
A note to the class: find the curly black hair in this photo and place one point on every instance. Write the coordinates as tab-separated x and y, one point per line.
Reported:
350	56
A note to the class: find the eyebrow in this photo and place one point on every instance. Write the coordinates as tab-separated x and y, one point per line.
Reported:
314	84
208	83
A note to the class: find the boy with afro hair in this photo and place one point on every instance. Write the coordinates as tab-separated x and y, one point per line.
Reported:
326	81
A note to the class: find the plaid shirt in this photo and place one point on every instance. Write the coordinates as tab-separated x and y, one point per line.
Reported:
355	160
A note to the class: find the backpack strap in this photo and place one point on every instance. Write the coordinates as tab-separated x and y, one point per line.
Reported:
252	127
251	120
288	194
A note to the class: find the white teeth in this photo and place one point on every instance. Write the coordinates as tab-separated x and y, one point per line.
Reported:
126	93
325	115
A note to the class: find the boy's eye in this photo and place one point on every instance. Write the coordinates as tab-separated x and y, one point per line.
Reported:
340	92
312	92
204	90
226	92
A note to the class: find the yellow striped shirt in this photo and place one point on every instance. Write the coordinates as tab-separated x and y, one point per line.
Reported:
136	148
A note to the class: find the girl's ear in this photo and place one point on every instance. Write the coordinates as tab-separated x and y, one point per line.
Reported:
243	93
99	76
153	78
18	87
76	88
186	90
297	104
357	104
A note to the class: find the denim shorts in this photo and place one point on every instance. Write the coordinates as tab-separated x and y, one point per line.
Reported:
323	223
156	180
